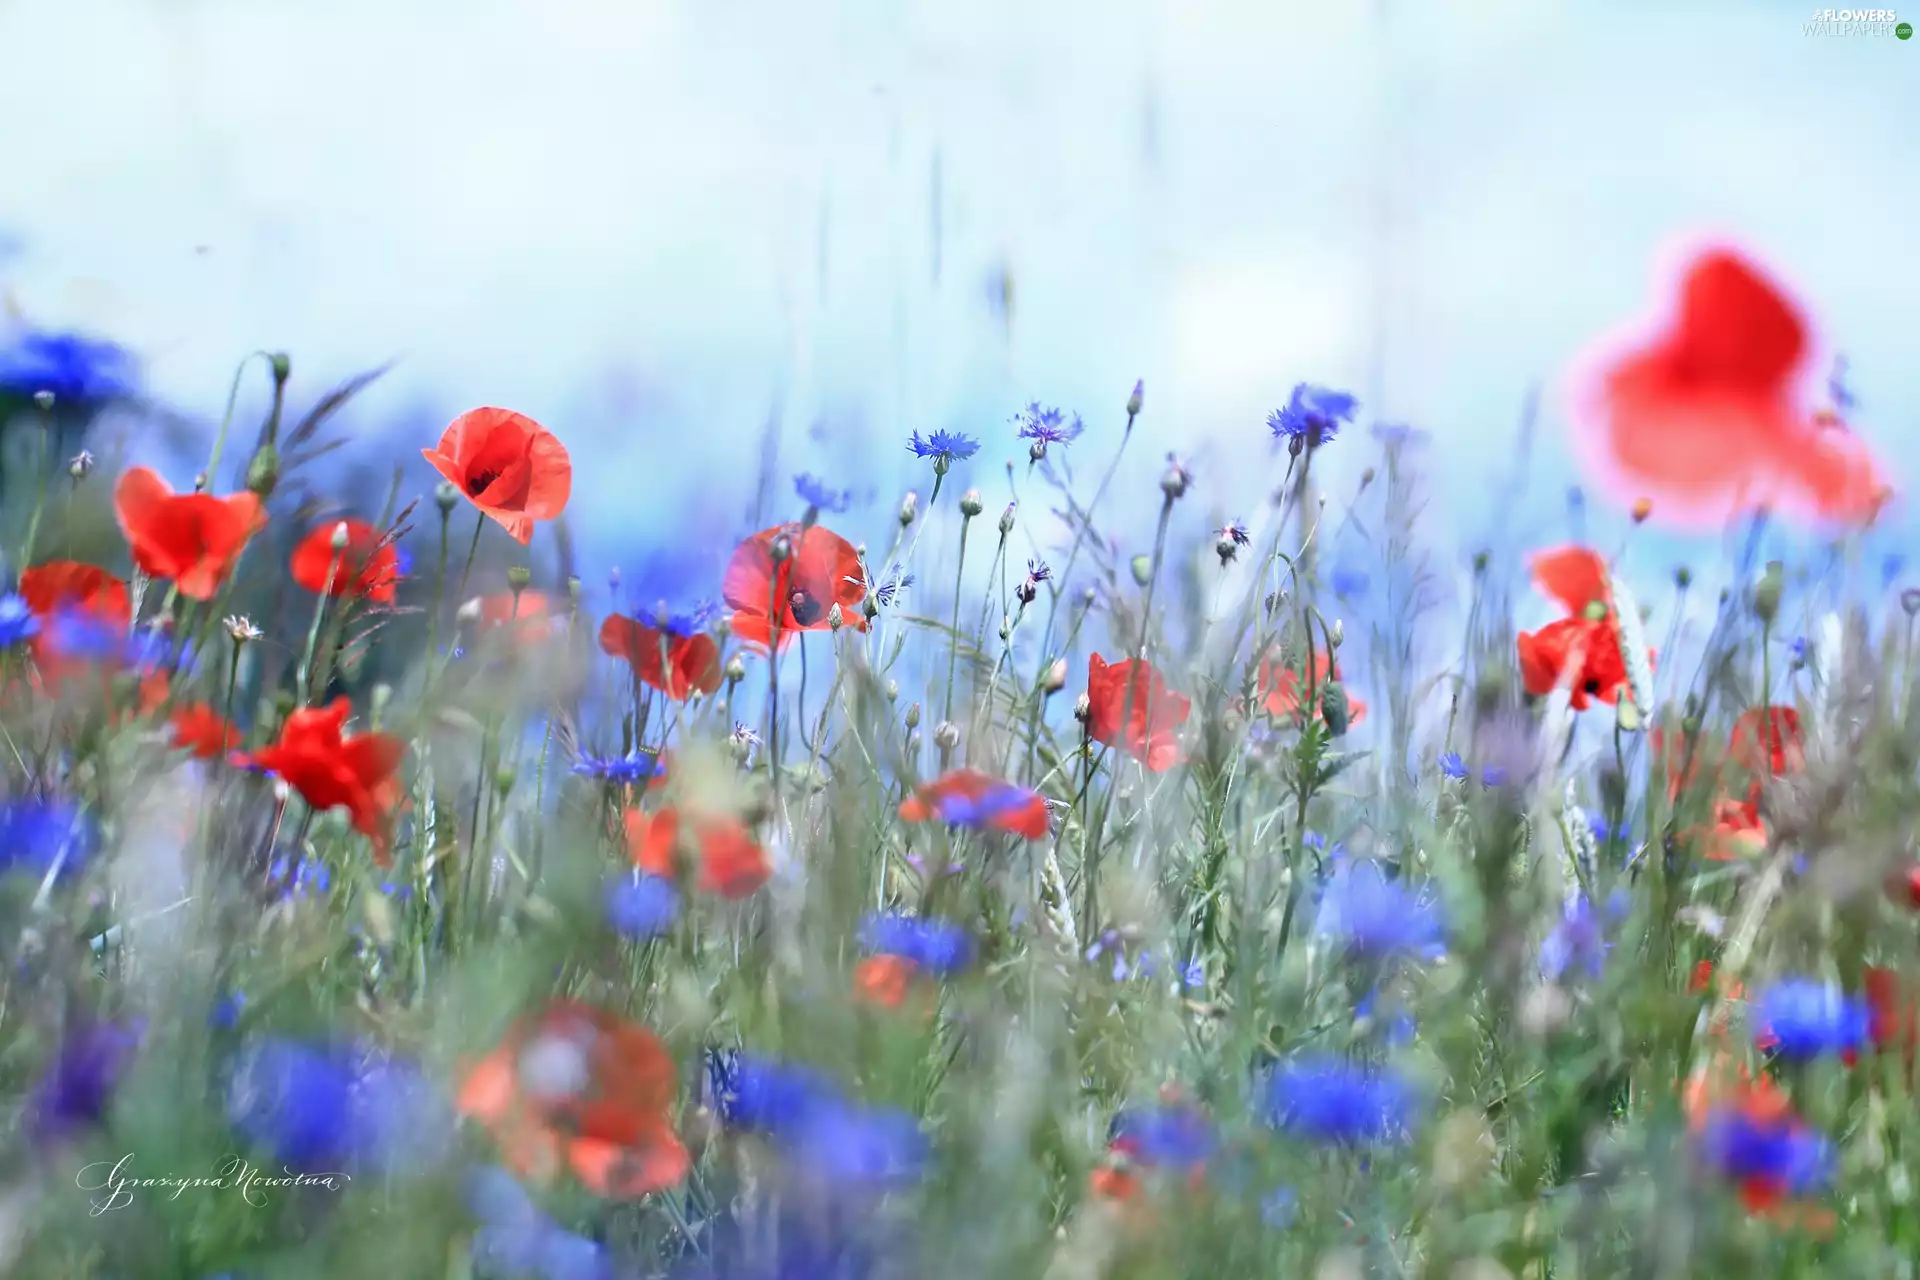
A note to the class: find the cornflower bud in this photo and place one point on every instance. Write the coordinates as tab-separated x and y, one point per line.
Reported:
970	503
909	507
946	735
1006	520
913	716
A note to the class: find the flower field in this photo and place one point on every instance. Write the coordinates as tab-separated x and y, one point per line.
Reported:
974	887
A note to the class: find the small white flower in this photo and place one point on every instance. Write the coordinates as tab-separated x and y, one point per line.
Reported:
241	628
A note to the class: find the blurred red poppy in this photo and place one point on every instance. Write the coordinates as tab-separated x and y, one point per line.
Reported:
1736	831
1280	688
68	588
1582	650
977	799
200	729
189	539
329	770
1707	416
512	469
679	666
1129	707
884	980
580	1088
728	861
367	568
1903	886
1768	739
1893	1020
820	569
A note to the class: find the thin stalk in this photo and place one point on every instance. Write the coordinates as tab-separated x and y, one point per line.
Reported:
953	640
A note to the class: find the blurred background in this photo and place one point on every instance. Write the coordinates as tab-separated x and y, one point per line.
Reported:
659	226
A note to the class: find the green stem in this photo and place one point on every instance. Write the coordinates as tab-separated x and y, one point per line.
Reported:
313	633
953	640
479	523
226	419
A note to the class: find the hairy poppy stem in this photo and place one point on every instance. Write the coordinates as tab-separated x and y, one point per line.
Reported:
479	523
313	634
953	640
439	593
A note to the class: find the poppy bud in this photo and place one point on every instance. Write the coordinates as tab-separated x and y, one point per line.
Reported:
44	399
723	627
1766	596
1133	401
870	607
81	466
1006	520
913	716
893	691
909	507
835	618
1083	709
1174	483
263	470
1338	635
736	669
1642	508
1683	577
1335	709
341	536
946	735
446	497
503	779
1142	569
1056	677
782	549
282	366
1690	725
573	589
970	503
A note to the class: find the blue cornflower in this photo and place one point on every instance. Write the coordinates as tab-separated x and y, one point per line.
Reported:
1313	416
981	812
1452	766
1236	533
1349	583
1326	1099
78	370
79	1083
1038	570
1493	776
1047	426
1577	942
321	1109
1163	1137
937	946
765	1096
516	1239
844	1143
884	593
816	493
634	767
1314	840
944	447
1400	1027
1776	1154
1193	975
227	1010
1806	1019
642	906
297	880
1395	433
1891	566
1604	831
1376	916
17	621
37	835
1797	651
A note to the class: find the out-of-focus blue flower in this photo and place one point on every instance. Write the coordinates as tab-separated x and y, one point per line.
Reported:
226	1010
1604	831
627	770
37	835
1399	1028
1326	1099
1394	434
1576	943
1163	1137
1236	533
79	1083
321	1109
1376	916
1279	1207
1047	426
937	946
1806	1019
778	1240
1891	567
1313	416
1349	584
517	1240
818	494
944	447
309	876
1493	776
1779	1154
1452	766
642	906
765	1096
80	371
1193	975
978	812
1797	651
17	621
886	591
1314	840
861	1146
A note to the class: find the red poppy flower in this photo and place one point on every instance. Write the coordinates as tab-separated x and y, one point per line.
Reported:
1280	688
1707	417
797	594
1736	831
884	980
981	800
579	1088
200	729
67	588
1893	1021
1582	650
1768	738
1130	707
190	539
368	567
679	666
331	771
729	861
507	465
1903	886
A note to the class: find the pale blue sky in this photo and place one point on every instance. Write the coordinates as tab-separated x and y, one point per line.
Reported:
615	214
